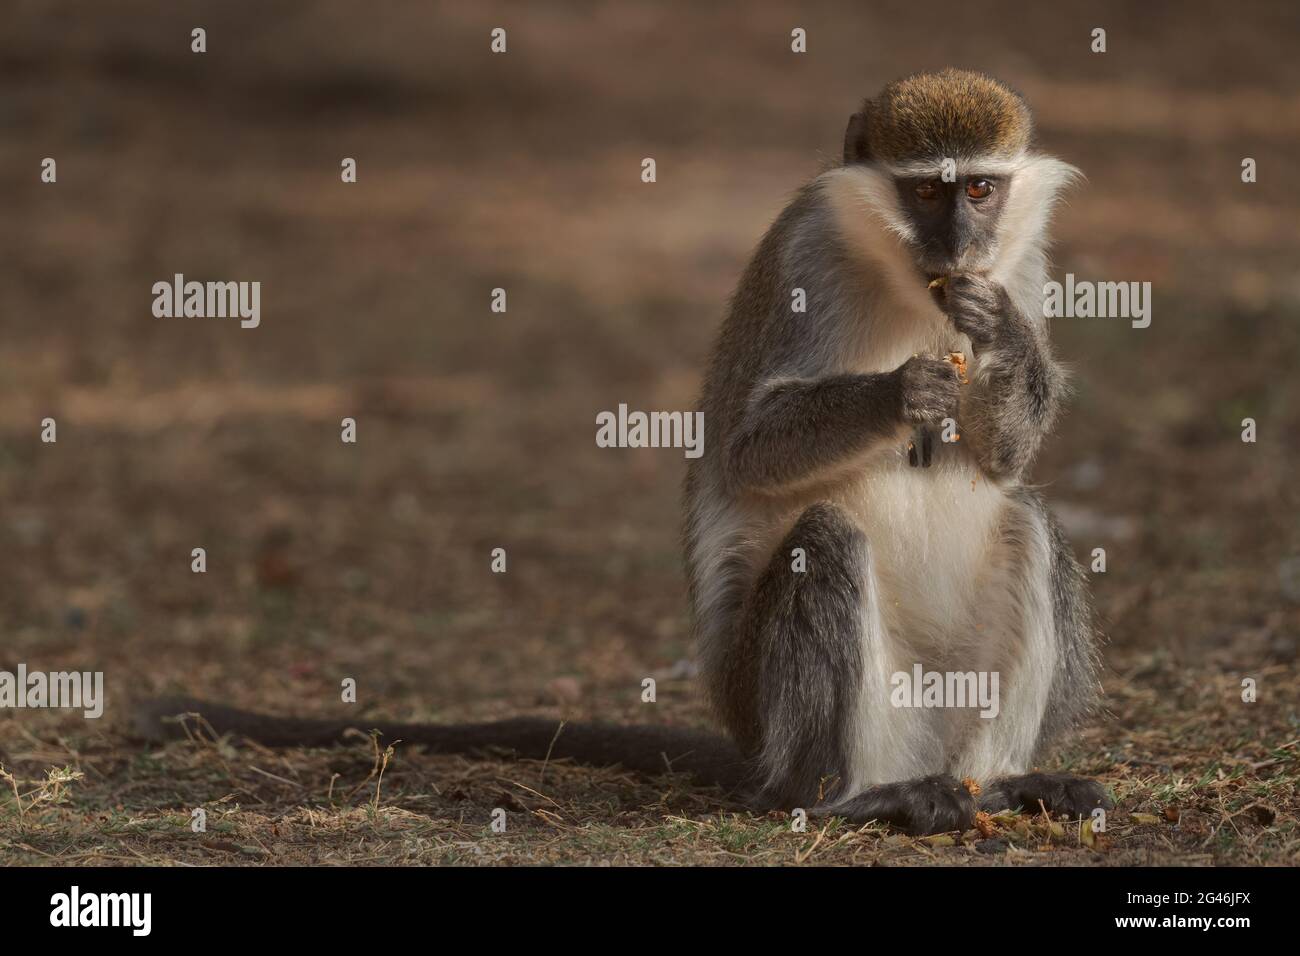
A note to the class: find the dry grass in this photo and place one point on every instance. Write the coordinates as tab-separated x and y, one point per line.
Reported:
1199	778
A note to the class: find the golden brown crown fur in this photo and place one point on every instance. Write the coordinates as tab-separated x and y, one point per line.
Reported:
931	116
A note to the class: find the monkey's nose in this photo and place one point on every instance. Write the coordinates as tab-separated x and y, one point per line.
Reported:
955	246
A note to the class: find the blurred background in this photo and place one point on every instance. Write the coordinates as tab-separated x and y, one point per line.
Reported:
476	429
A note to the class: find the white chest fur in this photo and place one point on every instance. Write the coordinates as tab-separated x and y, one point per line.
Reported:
930	532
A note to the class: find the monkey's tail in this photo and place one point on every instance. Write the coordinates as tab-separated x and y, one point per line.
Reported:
710	759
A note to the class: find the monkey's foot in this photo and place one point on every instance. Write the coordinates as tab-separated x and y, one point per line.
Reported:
1059	792
933	804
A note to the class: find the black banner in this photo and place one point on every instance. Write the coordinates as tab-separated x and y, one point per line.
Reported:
330	905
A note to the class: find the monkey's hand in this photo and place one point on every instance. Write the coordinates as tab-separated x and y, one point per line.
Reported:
1012	398
977	306
929	389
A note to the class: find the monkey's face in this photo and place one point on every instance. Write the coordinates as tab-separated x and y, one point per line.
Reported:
954	225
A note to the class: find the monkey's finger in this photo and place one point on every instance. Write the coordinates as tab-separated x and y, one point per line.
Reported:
927	447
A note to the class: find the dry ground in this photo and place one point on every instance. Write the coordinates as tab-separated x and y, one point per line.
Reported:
476	430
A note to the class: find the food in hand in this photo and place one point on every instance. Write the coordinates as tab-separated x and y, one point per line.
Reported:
959	359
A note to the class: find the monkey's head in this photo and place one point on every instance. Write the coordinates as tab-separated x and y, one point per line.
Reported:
951	143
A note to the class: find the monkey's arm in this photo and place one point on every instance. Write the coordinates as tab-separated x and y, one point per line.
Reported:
1016	387
795	431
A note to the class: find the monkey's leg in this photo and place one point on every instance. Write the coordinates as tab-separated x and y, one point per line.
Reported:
1039	638
824	719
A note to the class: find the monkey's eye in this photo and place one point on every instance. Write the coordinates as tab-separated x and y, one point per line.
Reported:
978	188
927	191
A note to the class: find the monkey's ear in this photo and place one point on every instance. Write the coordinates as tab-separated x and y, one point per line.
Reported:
856	147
